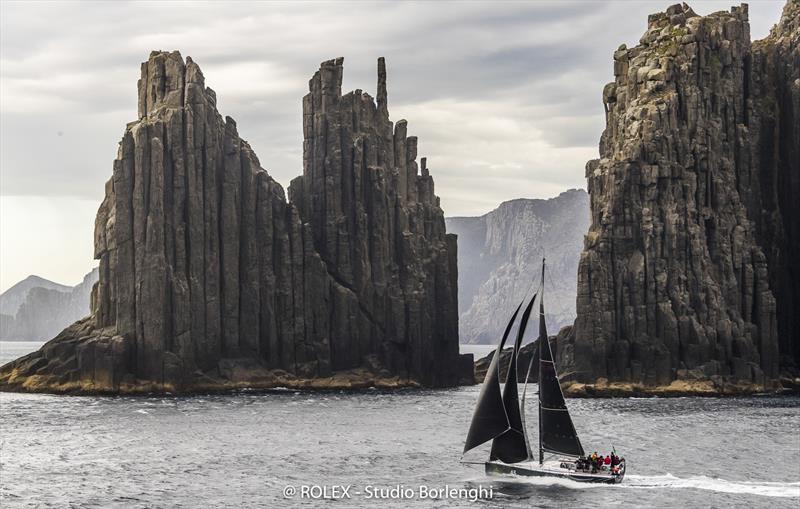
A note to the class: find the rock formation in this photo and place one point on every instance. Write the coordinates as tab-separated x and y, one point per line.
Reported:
500	256
206	270
377	225
768	169
36	308
693	226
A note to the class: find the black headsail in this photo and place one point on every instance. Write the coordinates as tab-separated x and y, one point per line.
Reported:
556	431
490	419
512	446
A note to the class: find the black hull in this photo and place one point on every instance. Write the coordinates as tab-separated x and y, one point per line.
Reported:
517	469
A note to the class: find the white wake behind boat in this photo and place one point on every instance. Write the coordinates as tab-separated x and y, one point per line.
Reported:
500	417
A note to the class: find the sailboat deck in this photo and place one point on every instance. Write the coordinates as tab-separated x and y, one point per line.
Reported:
552	469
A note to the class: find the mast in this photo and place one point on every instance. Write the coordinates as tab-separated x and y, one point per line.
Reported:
539	350
556	431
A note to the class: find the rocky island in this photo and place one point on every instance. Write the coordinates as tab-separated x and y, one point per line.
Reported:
211	280
689	275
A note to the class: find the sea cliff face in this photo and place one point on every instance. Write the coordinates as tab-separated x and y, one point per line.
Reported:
685	272
769	170
210	278
500	256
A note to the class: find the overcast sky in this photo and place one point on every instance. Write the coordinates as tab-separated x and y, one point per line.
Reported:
505	97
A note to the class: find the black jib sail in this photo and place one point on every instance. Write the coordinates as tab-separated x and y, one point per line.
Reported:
490	419
512	445
556	431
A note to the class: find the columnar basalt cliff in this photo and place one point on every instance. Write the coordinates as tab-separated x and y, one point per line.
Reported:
379	229
693	225
768	170
208	276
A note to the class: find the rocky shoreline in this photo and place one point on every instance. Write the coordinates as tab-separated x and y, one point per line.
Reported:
244	375
355	379
68	364
84	375
676	389
689	383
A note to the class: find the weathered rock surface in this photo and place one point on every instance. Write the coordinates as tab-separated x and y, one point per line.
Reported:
692	218
36	308
380	232
768	170
500	257
209	277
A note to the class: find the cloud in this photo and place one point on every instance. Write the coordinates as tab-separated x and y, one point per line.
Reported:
505	96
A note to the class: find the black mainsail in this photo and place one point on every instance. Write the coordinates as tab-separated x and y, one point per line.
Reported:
556	431
512	445
490	419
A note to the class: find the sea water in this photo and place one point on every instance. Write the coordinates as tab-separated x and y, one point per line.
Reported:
397	449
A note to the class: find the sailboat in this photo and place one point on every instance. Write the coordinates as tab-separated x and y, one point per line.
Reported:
500	416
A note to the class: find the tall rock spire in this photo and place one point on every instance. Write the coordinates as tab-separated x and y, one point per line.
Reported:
383	104
386	249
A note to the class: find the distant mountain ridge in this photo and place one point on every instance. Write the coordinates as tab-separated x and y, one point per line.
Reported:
36	309
12	299
500	255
